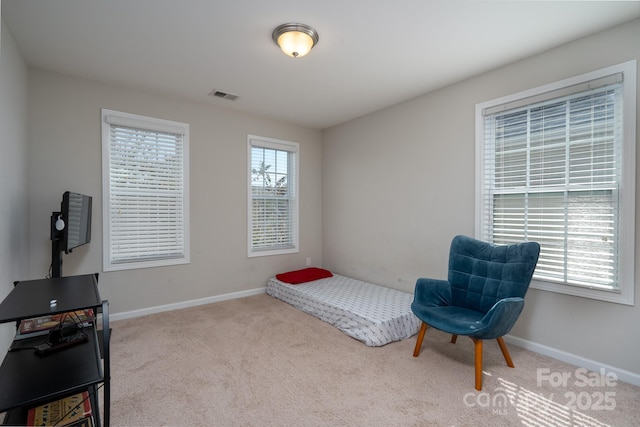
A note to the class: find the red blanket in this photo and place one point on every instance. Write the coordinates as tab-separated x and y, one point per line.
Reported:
305	275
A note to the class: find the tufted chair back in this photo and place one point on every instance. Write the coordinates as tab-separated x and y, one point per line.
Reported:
481	273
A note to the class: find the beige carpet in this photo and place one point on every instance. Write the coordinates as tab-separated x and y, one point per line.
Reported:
257	361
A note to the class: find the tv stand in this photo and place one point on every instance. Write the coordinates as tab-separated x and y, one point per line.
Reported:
28	379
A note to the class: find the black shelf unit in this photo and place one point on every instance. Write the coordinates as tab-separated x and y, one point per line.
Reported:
28	380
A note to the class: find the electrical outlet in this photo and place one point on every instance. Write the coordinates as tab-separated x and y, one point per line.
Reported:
308	261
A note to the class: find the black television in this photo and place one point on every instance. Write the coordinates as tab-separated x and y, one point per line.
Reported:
70	227
76	212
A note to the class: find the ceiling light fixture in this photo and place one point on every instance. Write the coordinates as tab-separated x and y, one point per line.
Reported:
295	40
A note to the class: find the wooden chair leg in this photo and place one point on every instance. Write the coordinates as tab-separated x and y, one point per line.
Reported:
505	352
423	329
478	346
454	338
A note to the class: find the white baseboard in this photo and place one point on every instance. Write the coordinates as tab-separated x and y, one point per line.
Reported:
592	365
184	304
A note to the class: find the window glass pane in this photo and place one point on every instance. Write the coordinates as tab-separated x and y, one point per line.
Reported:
577	231
273	215
552	169
146	195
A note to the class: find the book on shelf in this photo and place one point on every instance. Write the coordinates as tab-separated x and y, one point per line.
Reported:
74	410
46	323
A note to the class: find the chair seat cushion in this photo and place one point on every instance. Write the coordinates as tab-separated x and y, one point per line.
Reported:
451	319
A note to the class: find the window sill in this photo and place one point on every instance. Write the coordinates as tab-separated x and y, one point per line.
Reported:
144	264
269	252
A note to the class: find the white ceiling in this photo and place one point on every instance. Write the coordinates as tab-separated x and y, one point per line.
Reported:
371	54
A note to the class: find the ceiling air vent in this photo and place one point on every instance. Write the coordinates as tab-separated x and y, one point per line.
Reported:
224	95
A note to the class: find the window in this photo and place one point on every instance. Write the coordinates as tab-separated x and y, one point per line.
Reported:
556	165
145	196
273	196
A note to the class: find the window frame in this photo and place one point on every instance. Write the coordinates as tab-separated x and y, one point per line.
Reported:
624	294
118	118
294	169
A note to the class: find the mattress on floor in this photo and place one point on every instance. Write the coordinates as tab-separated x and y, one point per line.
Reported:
373	314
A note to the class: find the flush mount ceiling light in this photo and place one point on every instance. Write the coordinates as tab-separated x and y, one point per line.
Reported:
295	40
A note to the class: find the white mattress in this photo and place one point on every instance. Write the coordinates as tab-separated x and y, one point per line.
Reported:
373	314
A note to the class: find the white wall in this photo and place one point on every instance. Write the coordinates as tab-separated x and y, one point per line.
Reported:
14	231
398	184
65	154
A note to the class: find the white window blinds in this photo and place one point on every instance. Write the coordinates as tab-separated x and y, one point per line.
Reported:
553	174
145	191
552	169
273	196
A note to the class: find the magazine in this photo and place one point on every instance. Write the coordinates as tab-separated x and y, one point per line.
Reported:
46	323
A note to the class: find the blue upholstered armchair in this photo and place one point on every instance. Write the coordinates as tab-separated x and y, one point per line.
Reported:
483	296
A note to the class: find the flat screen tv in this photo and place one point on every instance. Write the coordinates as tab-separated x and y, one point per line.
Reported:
76	213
